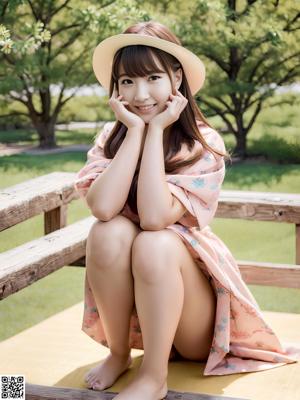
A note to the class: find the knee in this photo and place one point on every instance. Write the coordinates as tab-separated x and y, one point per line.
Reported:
152	254
106	240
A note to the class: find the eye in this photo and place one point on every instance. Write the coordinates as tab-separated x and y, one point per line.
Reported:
124	80
154	76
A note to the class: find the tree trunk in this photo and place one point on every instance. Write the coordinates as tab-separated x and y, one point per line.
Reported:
240	150
241	145
46	132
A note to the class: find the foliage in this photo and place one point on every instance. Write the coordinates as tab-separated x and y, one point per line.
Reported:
249	49
87	108
51	42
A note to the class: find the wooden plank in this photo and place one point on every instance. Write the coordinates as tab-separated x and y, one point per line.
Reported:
55	219
47	192
25	264
292	199
270	274
259	206
38	392
35	196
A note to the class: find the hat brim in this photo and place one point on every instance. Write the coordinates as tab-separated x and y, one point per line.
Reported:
103	56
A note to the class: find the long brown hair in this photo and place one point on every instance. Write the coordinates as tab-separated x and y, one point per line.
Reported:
185	129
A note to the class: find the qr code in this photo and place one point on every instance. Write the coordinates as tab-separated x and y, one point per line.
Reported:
12	387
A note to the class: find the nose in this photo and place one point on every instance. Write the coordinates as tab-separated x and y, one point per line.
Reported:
141	92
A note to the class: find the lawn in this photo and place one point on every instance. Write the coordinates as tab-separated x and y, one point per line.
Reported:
248	240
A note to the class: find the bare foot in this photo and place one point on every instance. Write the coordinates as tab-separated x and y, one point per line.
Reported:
145	387
107	372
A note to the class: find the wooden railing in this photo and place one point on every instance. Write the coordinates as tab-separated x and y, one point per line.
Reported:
64	245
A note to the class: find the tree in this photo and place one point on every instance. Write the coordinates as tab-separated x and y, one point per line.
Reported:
53	43
249	49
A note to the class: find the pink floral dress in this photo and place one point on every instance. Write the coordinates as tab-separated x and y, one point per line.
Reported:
242	341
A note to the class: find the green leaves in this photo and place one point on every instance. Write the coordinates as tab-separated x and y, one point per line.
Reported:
36	35
5	41
248	48
50	42
274	37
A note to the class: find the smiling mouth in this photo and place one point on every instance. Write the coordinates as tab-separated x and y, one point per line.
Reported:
146	108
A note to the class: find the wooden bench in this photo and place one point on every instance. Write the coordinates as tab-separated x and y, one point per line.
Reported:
64	245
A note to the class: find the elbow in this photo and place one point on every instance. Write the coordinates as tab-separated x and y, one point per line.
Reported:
96	211
100	214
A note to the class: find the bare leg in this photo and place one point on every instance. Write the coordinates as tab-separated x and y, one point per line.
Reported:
159	295
110	277
165	276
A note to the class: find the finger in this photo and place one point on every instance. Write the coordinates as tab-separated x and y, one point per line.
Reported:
119	98
177	106
175	97
182	100
183	105
178	92
175	101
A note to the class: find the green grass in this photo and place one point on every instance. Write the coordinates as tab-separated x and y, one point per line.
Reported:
248	240
63	137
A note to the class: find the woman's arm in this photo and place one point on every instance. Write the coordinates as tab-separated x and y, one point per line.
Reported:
156	205
108	193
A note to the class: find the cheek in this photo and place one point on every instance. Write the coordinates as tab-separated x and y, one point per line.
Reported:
125	93
163	92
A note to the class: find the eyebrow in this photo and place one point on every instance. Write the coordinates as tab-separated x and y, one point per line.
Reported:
151	72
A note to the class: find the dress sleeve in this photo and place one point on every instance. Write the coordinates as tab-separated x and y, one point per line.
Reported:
96	162
198	186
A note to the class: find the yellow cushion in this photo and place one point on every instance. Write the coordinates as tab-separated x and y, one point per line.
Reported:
56	352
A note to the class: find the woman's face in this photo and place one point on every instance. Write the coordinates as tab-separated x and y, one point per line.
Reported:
147	95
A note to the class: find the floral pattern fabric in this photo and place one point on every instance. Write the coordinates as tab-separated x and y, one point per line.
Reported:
242	342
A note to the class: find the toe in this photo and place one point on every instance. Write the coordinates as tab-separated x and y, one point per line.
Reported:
94	382
87	377
96	386
89	382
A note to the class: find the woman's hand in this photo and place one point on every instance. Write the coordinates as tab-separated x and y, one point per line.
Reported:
175	105
122	114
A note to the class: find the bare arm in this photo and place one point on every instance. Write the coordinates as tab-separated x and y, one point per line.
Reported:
154	199
108	193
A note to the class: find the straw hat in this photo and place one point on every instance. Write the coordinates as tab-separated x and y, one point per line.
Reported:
193	67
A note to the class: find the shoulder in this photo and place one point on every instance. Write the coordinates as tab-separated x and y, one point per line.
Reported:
104	133
212	137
